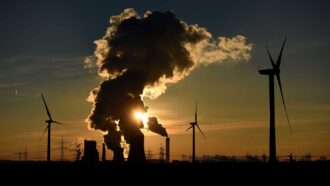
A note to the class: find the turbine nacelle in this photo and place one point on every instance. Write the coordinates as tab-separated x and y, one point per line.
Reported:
275	71
266	72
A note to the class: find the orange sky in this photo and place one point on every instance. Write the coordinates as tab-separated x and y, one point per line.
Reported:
44	51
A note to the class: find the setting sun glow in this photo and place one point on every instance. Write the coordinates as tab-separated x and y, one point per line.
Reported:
142	117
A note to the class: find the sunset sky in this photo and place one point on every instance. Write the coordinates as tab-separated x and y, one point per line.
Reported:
44	44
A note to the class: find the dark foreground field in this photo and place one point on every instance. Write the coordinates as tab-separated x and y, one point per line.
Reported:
56	172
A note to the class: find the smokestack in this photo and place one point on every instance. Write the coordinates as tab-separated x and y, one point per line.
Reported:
167	150
103	152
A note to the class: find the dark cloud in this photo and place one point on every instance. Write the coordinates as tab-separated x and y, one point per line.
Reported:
139	57
156	127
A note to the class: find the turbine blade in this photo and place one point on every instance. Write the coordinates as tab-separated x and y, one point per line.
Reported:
48	113
279	58
44	132
200	130
59	123
189	128
286	113
270	58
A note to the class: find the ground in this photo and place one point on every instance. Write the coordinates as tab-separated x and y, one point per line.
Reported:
247	173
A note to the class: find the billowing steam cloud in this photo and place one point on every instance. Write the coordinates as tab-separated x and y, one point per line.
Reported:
156	127
139	57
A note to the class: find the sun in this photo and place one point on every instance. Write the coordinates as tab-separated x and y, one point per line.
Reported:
142	117
138	115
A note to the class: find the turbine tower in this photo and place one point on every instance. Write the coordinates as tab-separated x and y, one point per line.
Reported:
49	123
192	125
275	71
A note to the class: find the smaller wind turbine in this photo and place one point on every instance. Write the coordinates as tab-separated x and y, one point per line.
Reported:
49	122
192	125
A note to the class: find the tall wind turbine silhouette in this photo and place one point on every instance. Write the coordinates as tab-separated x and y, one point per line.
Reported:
192	125
49	123
275	71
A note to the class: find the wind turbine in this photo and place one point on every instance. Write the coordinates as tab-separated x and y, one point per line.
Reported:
49	122
275	71
192	125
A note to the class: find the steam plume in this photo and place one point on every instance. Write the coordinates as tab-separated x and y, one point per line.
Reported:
156	127
140	56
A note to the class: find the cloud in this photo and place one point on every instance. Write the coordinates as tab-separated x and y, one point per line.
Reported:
31	71
140	56
90	62
52	66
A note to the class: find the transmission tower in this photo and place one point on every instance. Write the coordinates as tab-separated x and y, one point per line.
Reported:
161	153
20	155
62	149
25	154
149	155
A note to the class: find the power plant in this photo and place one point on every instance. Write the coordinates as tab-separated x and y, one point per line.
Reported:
91	155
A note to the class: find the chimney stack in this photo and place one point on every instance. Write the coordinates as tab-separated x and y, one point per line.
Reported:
167	150
103	152
91	155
